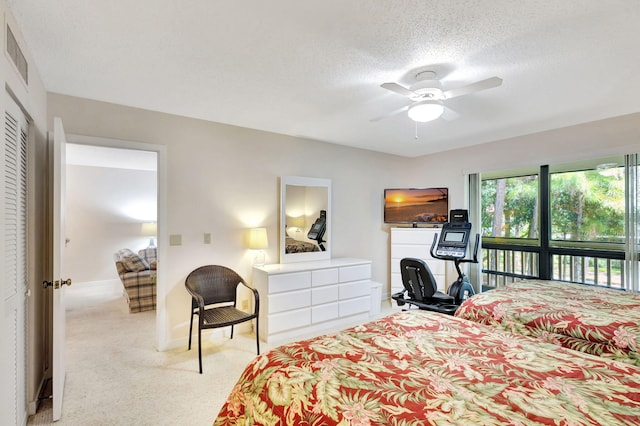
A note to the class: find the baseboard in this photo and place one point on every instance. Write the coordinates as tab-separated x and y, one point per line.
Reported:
32	406
209	334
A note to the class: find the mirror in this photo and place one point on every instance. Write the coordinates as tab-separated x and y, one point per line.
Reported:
305	219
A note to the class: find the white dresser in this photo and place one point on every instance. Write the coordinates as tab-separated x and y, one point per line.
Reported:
415	242
303	297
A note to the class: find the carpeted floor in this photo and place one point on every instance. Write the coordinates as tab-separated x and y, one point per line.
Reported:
116	377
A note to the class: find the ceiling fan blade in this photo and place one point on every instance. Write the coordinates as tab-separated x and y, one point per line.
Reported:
389	114
489	83
396	88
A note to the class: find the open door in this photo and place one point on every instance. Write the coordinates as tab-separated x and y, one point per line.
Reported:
58	282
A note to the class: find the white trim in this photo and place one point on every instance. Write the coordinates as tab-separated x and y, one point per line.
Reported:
632	249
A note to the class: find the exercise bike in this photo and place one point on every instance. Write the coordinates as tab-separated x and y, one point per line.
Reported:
420	285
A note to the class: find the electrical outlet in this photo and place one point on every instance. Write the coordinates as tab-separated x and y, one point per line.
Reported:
245	304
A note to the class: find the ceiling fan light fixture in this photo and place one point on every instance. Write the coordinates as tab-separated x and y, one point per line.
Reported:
427	110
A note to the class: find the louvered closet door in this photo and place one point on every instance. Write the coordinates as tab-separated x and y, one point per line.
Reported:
13	214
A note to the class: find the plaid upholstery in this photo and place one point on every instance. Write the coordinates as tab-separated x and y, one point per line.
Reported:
139	285
150	254
135	263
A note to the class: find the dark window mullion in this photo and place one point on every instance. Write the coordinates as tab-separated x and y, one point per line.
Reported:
545	269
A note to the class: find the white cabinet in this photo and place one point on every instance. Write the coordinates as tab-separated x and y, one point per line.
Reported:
416	243
306	297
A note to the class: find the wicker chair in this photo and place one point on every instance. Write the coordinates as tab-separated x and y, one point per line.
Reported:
213	290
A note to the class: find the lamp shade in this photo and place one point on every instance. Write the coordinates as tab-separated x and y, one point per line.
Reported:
426	111
149	229
258	239
296	222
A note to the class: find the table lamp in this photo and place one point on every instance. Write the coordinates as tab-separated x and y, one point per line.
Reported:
258	241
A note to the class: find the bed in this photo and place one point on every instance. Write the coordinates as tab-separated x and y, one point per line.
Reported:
419	367
595	320
295	246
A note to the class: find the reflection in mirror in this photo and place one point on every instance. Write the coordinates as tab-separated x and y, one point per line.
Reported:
305	206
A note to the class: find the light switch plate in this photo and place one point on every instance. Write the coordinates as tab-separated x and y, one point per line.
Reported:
175	240
207	238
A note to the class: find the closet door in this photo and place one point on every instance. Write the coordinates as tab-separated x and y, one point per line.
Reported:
13	279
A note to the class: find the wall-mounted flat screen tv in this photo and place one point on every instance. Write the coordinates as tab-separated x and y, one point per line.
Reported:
416	205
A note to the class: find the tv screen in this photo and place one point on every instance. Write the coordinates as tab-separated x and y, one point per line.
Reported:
416	205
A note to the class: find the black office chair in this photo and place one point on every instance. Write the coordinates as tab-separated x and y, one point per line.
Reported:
213	290
421	289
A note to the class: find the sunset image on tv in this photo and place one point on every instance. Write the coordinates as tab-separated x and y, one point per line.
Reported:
416	205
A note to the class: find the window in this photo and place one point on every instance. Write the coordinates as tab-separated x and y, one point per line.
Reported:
572	222
588	205
510	207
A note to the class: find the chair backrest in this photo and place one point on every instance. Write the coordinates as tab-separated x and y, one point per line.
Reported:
417	278
150	254
215	283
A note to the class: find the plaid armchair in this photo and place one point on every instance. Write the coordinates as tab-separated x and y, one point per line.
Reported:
138	275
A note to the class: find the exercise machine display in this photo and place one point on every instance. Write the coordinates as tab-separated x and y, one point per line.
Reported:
452	246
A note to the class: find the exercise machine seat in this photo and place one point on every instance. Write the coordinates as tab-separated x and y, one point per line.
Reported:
421	288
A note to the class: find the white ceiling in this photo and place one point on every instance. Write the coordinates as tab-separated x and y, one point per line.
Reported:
313	69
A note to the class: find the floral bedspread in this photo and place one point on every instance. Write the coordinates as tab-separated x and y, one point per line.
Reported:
594	320
425	368
294	246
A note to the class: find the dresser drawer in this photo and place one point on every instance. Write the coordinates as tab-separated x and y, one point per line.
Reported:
288	301
399	251
289	282
325	312
413	236
354	273
324	277
354	306
326	294
355	289
288	320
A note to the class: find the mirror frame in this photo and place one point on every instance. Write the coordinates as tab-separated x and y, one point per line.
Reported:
310	256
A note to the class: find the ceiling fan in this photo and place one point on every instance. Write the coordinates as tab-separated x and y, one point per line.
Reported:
428	97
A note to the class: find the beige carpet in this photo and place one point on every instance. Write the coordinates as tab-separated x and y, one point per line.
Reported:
116	377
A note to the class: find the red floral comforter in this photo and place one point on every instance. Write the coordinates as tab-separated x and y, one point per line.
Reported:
424	368
594	320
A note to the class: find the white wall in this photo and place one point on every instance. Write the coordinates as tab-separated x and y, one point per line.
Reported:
98	221
223	180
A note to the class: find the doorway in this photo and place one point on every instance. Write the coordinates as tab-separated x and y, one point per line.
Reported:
133	177
111	205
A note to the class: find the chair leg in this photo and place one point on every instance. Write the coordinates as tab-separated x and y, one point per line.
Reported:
231	332
190	330
257	337
200	348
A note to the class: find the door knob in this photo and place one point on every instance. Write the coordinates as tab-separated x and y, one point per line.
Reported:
57	284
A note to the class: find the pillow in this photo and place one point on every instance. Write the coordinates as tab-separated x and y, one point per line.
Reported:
122	253
153	264
134	263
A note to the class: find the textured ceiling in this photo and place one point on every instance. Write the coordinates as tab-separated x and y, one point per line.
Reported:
313	69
